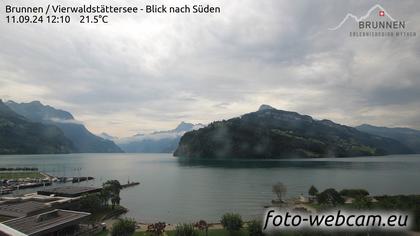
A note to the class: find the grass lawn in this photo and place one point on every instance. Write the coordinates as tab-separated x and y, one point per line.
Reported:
103	233
142	234
20	174
212	232
106	213
216	232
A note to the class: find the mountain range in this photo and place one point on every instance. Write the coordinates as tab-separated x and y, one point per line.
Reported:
82	139
19	135
409	137
272	133
156	142
35	128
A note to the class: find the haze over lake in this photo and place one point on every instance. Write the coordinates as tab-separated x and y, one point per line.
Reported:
175	190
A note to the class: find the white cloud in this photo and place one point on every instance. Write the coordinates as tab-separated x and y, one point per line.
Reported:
149	72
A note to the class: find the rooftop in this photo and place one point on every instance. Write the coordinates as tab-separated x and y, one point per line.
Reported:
47	222
69	191
21	209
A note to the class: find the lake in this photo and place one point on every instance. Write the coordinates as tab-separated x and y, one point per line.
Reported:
175	191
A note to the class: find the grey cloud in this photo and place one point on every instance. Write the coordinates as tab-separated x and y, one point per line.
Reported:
142	73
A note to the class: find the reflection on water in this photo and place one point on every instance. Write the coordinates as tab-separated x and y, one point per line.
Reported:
179	190
329	163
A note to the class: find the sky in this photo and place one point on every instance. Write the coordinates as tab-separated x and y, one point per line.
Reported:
143	73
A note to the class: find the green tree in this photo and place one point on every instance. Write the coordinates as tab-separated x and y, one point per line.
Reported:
313	191
104	196
362	202
123	227
280	190
232	222
91	203
185	230
330	197
254	228
111	191
115	200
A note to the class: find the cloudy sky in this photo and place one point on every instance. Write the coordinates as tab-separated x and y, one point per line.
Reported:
150	72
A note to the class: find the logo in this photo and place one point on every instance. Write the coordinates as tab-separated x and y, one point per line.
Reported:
381	13
377	22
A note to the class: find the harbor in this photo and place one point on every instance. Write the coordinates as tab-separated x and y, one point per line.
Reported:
14	179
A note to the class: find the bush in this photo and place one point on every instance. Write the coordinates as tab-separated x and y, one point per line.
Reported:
123	227
254	228
361	203
312	191
232	222
185	230
202	225
156	228
330	197
354	193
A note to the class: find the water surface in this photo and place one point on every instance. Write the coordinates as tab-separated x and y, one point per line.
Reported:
174	190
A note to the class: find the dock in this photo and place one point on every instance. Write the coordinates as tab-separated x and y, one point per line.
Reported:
130	184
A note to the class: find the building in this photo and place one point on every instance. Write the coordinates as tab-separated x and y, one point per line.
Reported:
53	223
22	209
69	191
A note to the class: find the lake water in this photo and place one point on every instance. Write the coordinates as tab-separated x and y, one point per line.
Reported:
176	191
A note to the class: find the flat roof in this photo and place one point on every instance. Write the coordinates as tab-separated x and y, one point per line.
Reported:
46	222
21	209
69	191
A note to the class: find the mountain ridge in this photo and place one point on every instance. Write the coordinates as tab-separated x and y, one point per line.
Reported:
83	140
273	133
18	135
408	137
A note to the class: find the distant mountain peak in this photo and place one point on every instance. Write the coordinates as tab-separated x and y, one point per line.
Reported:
36	103
4	109
328	122
107	136
264	107
184	126
184	123
159	141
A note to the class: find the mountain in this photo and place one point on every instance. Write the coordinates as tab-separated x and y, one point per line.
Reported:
83	140
156	142
406	136
272	133
18	135
107	136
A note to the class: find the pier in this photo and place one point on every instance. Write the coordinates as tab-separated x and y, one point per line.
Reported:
130	184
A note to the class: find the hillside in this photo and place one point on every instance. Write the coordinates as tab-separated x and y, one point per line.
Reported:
272	133
84	141
18	135
406	136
